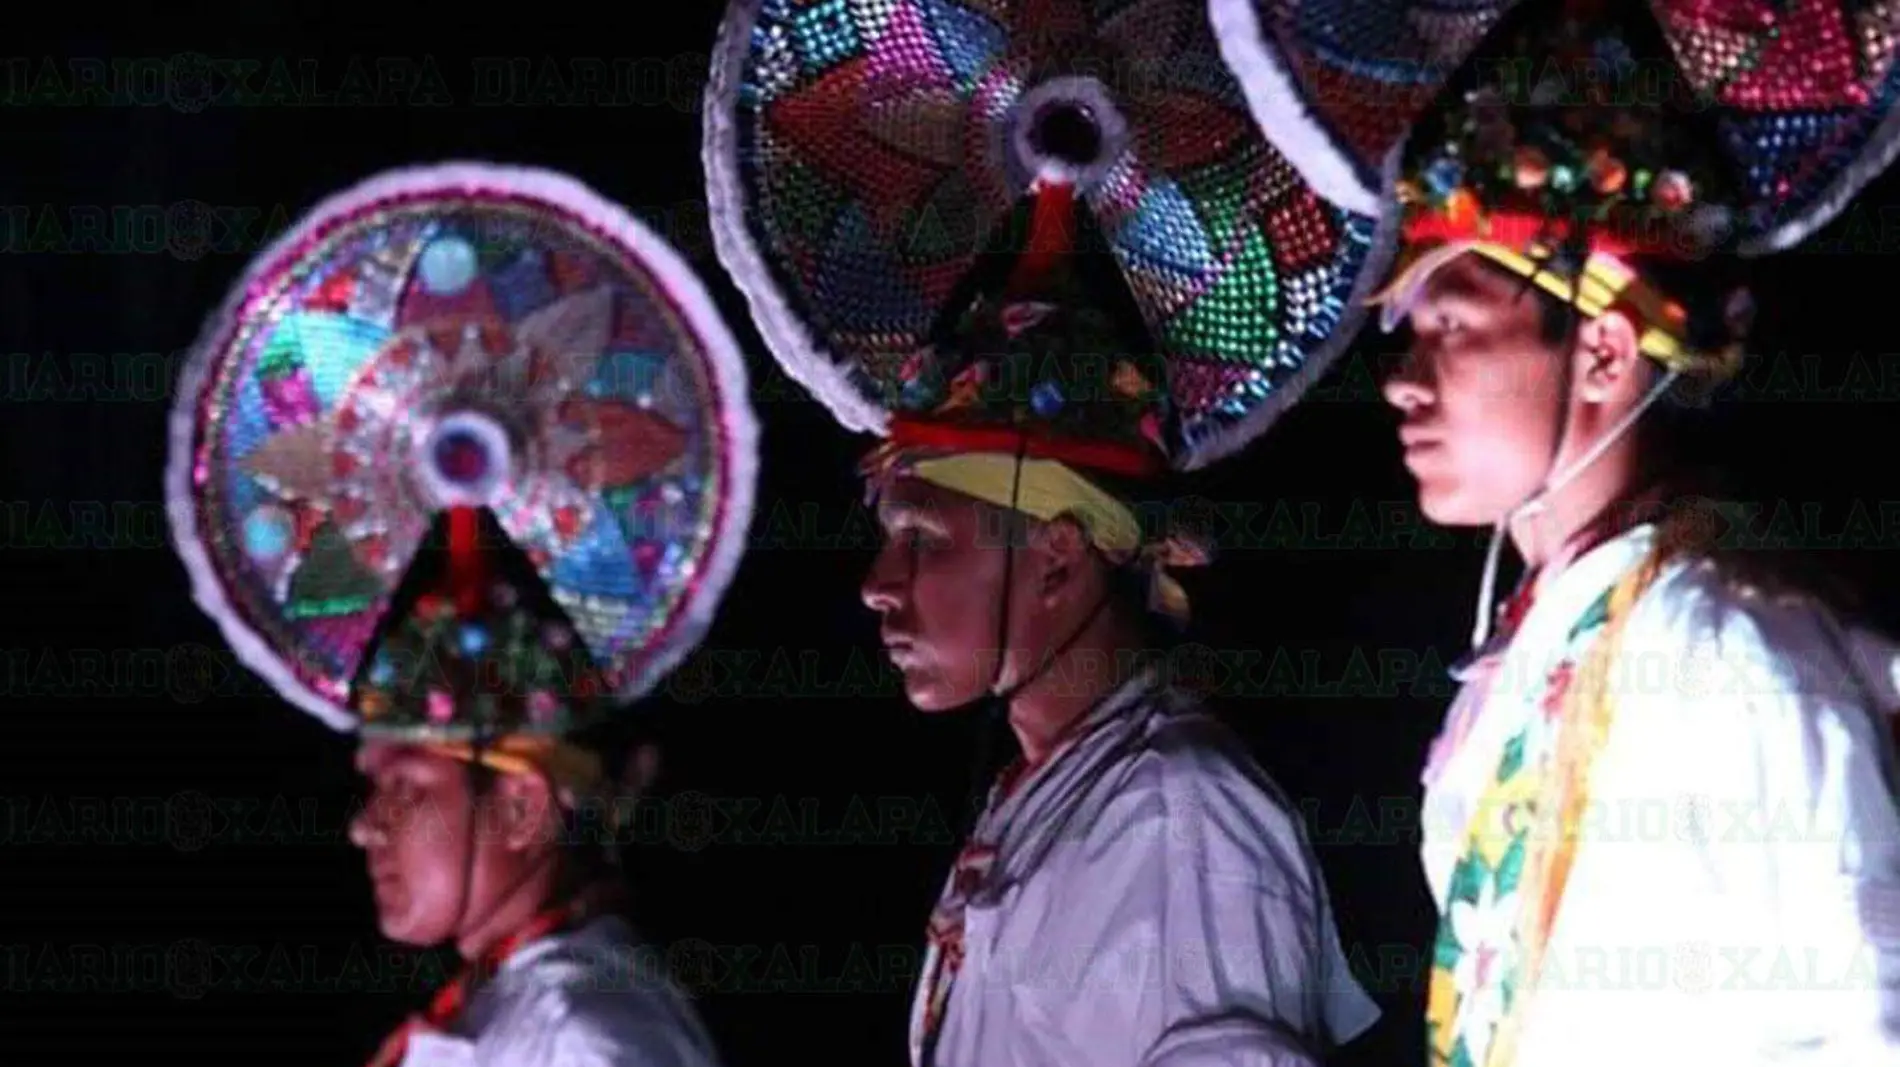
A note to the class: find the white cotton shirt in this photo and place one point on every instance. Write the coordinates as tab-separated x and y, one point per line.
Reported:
586	998
1154	903
1735	895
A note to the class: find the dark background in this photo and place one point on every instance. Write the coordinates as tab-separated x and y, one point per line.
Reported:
177	879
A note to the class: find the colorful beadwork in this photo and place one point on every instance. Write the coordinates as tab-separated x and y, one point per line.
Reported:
1804	90
505	664
1364	69
862	155
473	335
1799	91
1552	119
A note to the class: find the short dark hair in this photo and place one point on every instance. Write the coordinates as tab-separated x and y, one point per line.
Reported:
1557	320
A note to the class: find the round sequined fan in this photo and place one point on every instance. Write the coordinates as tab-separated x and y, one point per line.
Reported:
862	153
462	335
1345	79
1802	91
1805	93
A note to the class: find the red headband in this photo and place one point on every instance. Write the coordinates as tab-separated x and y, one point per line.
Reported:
1519	229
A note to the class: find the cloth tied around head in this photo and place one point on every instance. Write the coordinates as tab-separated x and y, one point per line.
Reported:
1047	489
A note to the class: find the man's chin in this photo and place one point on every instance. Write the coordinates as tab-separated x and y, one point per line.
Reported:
1453	509
407	935
404	929
930	695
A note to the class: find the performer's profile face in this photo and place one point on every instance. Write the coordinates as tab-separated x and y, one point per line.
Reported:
937	585
1478	392
414	833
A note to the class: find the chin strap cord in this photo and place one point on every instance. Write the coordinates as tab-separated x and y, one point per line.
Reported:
1538	501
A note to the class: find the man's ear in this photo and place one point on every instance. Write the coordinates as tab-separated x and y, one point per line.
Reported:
1609	359
525	808
1061	548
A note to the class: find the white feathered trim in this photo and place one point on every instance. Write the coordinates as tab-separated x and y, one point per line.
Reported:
797	351
1279	110
738	422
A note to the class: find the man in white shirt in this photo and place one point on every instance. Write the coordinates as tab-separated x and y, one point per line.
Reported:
1135	891
1660	821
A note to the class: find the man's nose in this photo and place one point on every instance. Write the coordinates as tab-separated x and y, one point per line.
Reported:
372	823
1405	387
365	830
883	588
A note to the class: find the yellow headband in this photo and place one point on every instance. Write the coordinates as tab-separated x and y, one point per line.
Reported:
1049	490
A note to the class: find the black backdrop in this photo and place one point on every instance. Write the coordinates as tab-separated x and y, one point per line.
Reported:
177	878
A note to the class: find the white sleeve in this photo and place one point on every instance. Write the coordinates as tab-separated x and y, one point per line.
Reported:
1255	975
1794	763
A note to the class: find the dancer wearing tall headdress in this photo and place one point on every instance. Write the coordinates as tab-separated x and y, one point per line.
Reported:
1044	253
1660	821
463	465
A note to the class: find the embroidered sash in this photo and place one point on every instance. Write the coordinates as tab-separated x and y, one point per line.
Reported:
1521	843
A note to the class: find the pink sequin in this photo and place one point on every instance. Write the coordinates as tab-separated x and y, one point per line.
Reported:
906	56
646	555
290	399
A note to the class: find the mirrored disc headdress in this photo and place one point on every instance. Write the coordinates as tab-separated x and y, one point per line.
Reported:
468	453
864	156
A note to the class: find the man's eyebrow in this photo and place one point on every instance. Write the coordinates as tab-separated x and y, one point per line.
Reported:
899	512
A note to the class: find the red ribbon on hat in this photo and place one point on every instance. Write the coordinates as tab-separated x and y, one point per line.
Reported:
467	568
1109	456
1520	230
1051	234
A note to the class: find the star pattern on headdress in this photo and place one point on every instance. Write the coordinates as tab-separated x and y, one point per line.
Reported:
532	376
